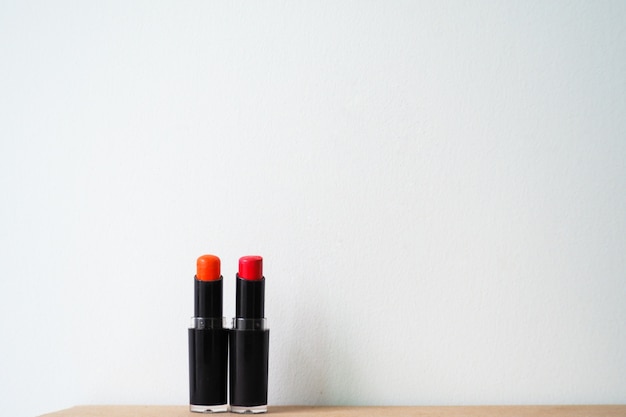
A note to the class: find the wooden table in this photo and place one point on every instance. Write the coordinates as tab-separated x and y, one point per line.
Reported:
305	411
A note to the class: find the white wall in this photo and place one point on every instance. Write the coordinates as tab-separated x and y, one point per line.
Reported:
438	189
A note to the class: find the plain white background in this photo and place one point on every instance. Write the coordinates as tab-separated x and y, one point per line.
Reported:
438	189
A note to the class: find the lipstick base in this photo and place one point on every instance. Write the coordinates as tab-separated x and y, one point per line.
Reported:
208	408
249	351
208	370
248	410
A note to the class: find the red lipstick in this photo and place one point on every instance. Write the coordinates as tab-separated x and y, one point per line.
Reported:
251	267
208	341
249	340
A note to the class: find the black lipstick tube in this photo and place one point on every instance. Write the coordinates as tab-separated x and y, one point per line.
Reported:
249	343
208	348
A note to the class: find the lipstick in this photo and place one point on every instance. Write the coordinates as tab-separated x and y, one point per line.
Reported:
208	341
249	340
